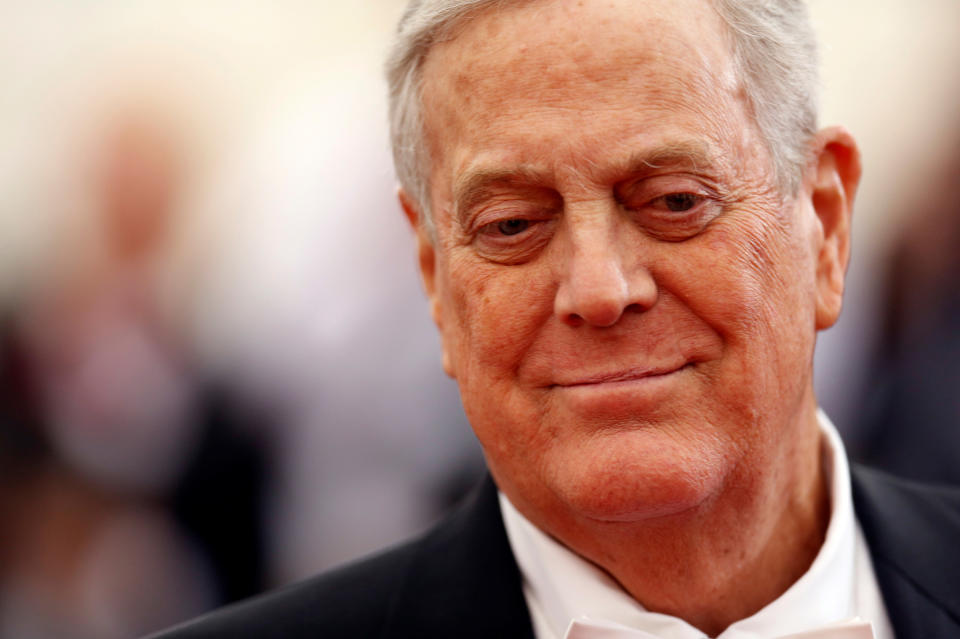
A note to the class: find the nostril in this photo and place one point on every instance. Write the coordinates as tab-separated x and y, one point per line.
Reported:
598	291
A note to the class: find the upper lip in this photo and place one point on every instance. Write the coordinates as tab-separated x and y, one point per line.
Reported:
617	376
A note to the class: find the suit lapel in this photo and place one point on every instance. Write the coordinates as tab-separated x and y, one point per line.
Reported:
463	581
913	533
912	612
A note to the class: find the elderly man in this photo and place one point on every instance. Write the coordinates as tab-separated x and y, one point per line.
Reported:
629	231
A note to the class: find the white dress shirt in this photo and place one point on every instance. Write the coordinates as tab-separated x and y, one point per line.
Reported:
560	587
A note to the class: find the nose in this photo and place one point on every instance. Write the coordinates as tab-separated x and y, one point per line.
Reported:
602	280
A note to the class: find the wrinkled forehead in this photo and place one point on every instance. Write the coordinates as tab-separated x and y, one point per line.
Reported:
522	59
623	22
557	40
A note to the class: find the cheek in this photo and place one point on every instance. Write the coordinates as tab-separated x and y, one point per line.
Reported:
757	276
780	265
757	293
499	314
719	277
495	314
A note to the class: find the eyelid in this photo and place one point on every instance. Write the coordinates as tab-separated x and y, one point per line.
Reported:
499	202
493	226
650	188
489	229
660	202
493	214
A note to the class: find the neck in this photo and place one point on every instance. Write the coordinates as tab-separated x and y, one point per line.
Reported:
726	560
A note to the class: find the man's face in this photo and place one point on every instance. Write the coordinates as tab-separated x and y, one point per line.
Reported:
625	299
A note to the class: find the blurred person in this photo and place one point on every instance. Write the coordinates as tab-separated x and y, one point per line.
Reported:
630	231
292	305
123	518
909	425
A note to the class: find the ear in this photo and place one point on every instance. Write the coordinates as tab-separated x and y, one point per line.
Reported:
832	186
427	260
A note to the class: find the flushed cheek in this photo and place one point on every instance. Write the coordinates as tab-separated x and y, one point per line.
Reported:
499	312
708	277
752	271
779	275
759	312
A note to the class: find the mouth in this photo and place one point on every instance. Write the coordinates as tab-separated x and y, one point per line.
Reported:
616	377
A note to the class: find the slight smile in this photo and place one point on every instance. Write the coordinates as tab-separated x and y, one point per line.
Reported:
631	375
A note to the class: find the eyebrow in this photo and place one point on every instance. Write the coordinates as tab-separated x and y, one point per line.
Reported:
473	186
695	154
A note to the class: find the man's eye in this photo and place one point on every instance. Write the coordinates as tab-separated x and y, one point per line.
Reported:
680	202
672	214
513	240
513	226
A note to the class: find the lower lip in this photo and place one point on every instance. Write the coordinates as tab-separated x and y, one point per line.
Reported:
627	394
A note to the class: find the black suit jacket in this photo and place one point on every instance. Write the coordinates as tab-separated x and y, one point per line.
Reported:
460	579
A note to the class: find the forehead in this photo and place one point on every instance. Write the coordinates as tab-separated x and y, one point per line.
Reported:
573	36
517	79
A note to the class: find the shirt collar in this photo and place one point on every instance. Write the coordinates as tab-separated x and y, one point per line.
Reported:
560	586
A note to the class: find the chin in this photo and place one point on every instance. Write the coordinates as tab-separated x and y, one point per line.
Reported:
636	476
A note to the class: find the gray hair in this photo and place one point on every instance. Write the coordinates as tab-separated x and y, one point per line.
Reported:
774	51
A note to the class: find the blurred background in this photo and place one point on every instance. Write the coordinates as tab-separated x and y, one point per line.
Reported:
217	370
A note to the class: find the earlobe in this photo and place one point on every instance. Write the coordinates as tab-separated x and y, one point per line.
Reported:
834	177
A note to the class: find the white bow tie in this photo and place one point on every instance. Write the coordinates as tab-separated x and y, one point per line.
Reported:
599	629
